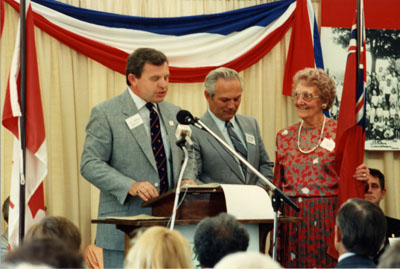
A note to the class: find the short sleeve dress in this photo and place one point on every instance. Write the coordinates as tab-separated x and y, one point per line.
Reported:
311	181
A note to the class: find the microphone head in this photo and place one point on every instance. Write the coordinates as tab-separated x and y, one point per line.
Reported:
182	130
185	117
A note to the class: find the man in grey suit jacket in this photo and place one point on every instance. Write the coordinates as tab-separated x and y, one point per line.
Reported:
118	156
223	91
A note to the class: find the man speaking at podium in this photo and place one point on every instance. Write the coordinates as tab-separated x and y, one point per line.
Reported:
223	91
130	152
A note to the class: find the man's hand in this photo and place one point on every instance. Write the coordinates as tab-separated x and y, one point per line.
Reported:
188	182
362	173
144	190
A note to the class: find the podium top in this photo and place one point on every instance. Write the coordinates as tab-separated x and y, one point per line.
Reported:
206	188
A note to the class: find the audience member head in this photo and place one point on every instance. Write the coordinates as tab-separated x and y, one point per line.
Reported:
375	189
391	257
137	60
360	228
216	237
5	208
247	260
56	227
324	85
159	247
44	251
223	91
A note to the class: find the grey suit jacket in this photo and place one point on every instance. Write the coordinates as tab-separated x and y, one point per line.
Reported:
217	164
115	156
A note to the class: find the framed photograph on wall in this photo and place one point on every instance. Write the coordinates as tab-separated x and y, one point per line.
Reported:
383	65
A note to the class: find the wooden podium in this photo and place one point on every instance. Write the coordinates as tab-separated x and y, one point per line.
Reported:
198	203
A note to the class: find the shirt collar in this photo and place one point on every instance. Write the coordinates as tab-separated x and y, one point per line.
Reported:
346	255
139	102
220	123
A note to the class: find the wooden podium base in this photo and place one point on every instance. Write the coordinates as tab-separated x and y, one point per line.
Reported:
198	203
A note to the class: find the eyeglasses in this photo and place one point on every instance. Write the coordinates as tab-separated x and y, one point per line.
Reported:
306	96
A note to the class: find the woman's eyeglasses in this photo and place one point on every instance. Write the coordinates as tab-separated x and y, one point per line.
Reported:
306	96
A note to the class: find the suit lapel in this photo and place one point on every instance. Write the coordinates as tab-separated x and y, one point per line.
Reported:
170	128
129	109
246	128
225	154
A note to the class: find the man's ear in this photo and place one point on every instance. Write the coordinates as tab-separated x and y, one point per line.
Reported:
338	239
338	235
207	95
132	79
383	193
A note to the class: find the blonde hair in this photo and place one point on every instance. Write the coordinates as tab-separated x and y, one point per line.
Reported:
158	247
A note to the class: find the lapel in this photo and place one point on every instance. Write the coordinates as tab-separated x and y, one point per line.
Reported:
248	129
129	109
170	127
225	154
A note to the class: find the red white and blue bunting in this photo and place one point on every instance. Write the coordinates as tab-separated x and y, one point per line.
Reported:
194	45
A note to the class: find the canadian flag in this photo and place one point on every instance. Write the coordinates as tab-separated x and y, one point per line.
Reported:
36	153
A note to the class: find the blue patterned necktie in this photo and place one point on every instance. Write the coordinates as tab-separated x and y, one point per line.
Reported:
158	148
239	147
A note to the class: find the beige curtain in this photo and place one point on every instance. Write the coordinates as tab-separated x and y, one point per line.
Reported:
71	84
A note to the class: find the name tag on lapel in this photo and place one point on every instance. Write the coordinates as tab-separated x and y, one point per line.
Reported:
134	121
250	139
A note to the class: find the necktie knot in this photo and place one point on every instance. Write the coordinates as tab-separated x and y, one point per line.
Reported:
150	106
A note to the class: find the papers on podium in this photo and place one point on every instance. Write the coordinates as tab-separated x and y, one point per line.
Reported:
247	202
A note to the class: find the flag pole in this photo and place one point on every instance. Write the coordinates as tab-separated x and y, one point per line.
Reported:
22	129
359	36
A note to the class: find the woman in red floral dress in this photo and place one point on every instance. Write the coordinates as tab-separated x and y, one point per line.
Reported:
305	171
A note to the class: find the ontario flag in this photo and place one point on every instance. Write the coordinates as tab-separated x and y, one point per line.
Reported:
36	153
350	135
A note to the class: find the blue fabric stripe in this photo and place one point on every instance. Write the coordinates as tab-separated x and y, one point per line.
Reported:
319	61
220	23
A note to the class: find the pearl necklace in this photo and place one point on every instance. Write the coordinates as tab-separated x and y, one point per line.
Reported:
319	142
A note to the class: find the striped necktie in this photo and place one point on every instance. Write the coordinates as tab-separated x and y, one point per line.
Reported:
158	148
239	147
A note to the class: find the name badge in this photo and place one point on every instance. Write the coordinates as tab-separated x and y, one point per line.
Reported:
250	139
328	144
134	121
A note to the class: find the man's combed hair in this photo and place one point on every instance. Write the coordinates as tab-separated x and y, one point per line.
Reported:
222	72
141	56
362	225
219	236
378	174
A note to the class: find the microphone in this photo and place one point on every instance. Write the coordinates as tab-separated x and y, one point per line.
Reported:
183	133
185	117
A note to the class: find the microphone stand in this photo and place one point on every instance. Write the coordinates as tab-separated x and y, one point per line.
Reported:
181	144
277	197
